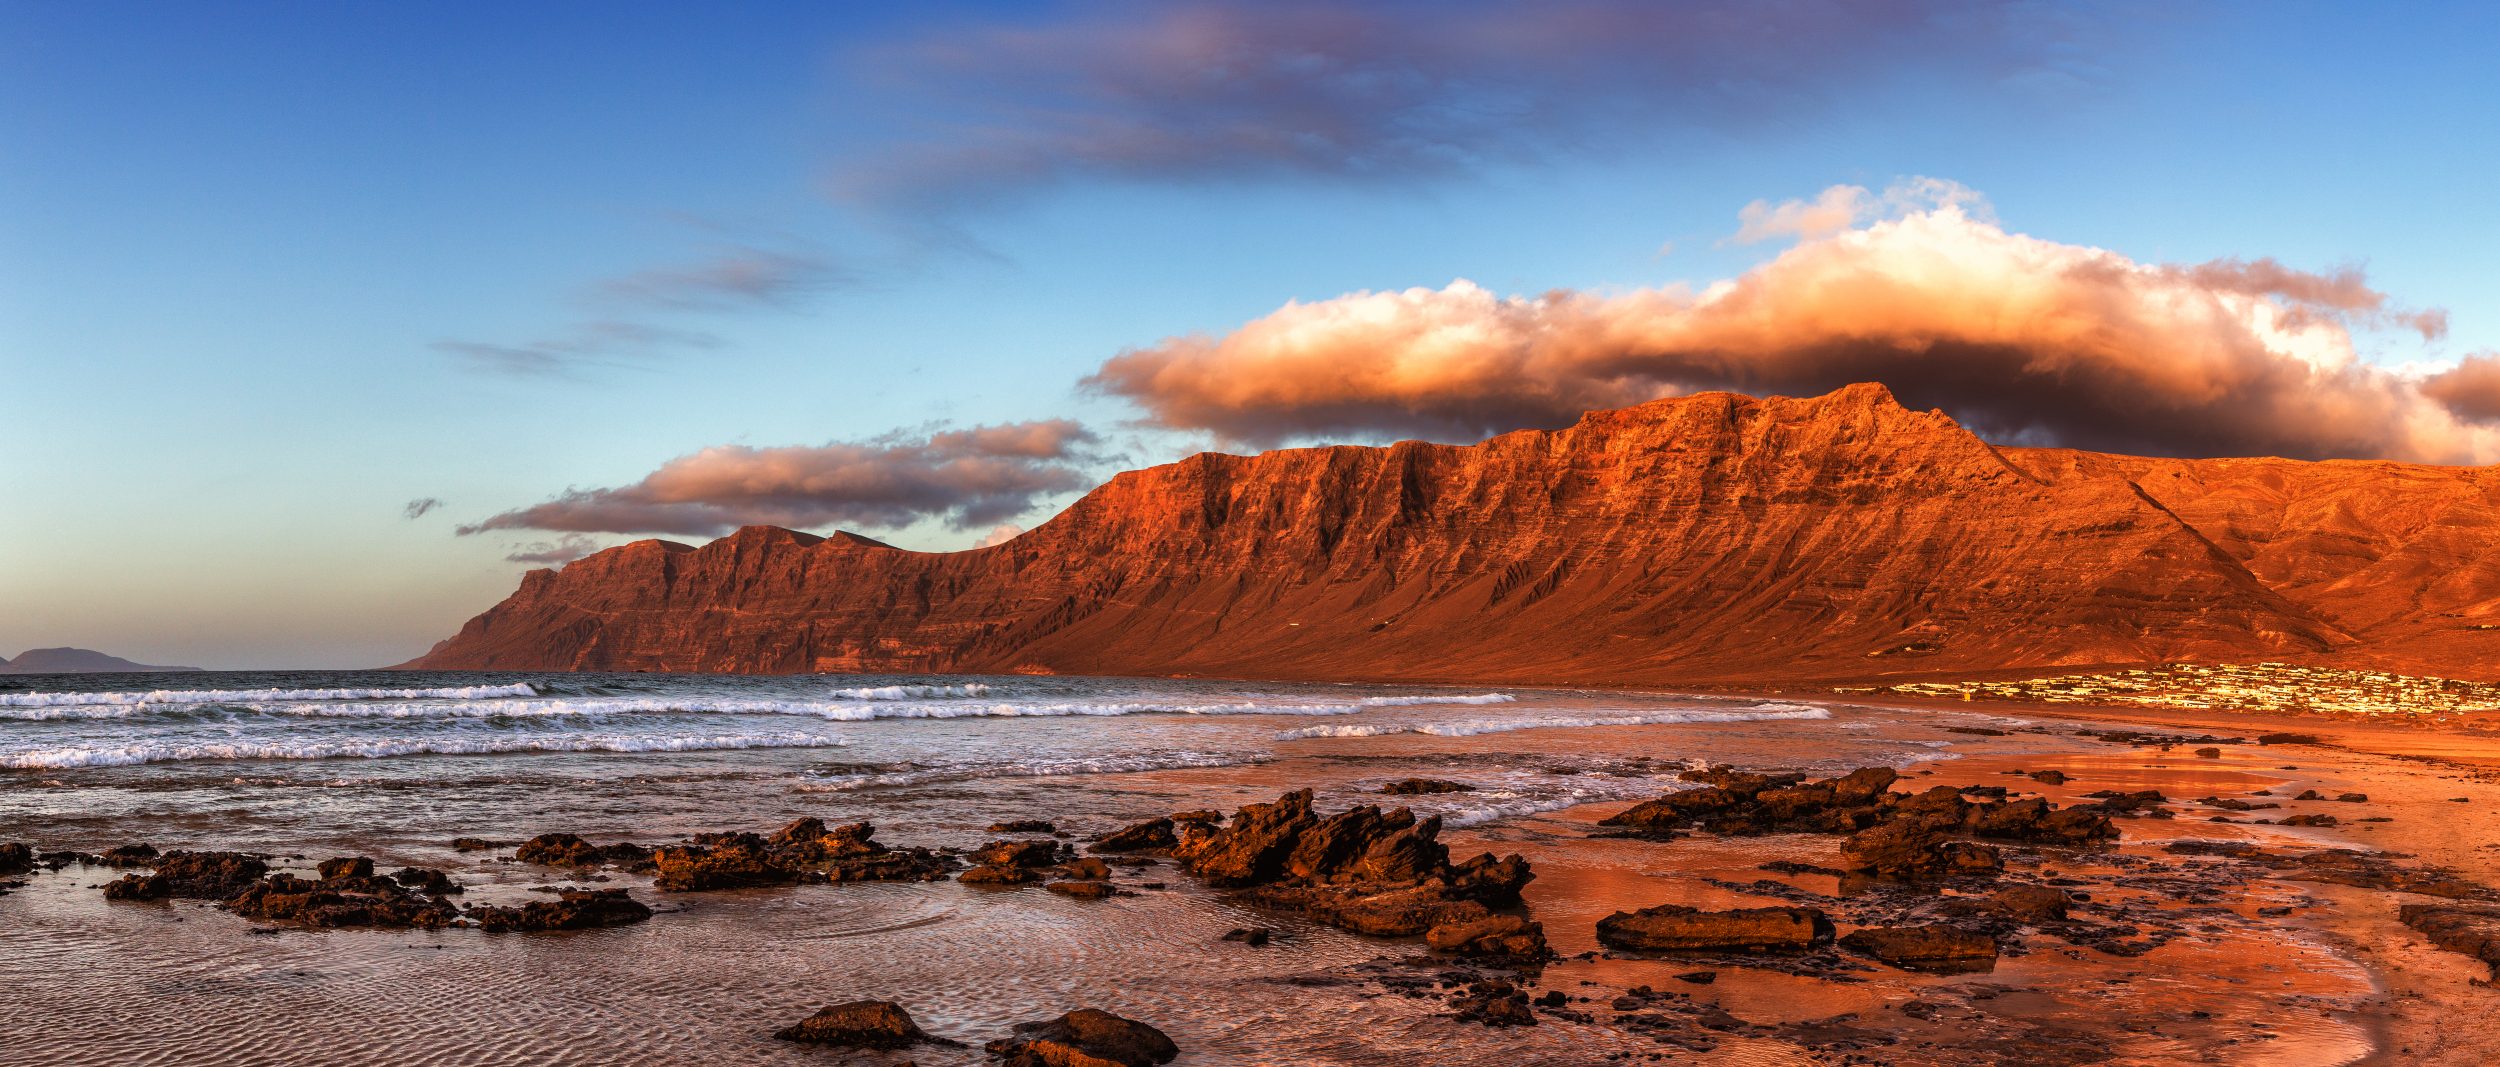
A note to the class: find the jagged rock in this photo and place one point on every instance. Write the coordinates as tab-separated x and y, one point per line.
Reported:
190	876
877	1024
1916	849
1017	854
1404	911
719	861
1024	826
1934	947
850	854
2472	931
347	867
573	909
427	880
998	875
1153	835
338	902
1085	1037
1675	928
1508	936
1420	786
567	850
2030	903
1254	848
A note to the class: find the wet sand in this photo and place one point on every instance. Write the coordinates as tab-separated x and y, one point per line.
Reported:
2245	965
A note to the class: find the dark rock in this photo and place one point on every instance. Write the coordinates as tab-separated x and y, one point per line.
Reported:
426	880
1402	911
1249	936
2209	753
998	875
2050	777
1506	936
1153	835
2310	794
719	861
1698	977
129	856
573	909
1081	888
1978	731
2030	903
1493	1004
1085	1038
1916	849
1024	826
1418	786
2287	739
191	876
2306	820
16	857
567	850
1017	854
2234	804
2472	931
878	1024
340	902
1674	928
1088	868
1253	850
347	867
477	844
1925	948
2352	798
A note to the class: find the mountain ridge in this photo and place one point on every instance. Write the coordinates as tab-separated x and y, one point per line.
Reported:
1706	539
66	660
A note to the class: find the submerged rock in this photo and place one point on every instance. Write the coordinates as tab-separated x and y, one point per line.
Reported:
16	857
1504	936
1925	948
1494	1003
340	902
877	1024
1421	786
1024	826
1086	1037
1675	928
190	876
2030	903
573	909
568	850
805	850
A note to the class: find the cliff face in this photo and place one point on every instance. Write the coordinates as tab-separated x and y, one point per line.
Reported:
1707	538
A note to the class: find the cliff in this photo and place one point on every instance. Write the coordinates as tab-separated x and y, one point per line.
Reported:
1710	538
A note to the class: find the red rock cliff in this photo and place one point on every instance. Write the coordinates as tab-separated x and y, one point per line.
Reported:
1715	537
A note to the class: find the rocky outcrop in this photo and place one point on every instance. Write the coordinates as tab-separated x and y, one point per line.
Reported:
568	850
1925	948
190	876
341	901
873	1024
1713	537
1675	928
804	851
573	909
2472	931
1085	1037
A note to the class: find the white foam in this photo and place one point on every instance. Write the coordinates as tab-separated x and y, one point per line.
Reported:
237	696
841	709
1403	702
1471	728
138	753
910	692
1039	768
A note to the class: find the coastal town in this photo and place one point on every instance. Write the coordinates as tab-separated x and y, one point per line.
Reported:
2248	687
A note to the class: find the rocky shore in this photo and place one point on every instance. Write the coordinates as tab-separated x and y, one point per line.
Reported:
1911	897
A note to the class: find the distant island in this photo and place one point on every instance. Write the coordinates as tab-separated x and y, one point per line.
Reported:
74	661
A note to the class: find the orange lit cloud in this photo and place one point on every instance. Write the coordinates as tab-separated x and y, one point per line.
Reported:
2472	390
2025	340
963	478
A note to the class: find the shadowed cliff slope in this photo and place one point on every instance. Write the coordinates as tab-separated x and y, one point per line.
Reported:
1710	538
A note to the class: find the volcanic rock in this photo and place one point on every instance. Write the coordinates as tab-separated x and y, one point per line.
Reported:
139	855
877	1024
1507	936
719	861
347	867
427	880
1085	1037
1024	826
573	909
1928	948
190	876
1675	928
1419	786
340	902
16	857
2030	903
1153	835
1494	1003
567	850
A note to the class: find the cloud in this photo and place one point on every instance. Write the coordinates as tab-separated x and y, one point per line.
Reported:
999	535
2023	339
2471	391
554	553
603	343
963	478
418	508
1843	207
1398	91
738	279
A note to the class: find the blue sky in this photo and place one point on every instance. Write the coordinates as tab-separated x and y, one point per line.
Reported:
243	246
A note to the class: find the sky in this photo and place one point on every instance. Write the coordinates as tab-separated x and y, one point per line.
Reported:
321	323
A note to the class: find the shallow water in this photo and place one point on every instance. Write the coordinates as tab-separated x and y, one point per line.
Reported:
394	765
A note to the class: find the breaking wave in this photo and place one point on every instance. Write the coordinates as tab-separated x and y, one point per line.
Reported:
1037	768
138	753
240	696
910	692
852	705
1471	728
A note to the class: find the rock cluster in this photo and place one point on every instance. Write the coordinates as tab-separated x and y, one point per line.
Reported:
1920	836
573	909
804	851
1675	928
2472	931
190	876
346	892
1934	947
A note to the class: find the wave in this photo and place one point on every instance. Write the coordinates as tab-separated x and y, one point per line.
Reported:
242	696
851	708
134	754
1757	713
1035	768
910	692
